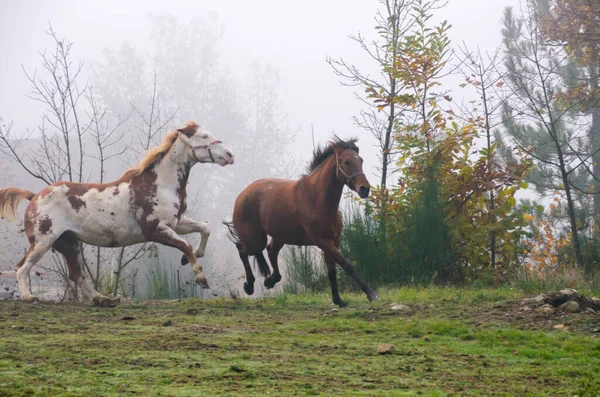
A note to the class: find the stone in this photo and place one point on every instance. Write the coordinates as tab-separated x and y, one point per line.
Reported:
547	308
385	349
538	299
558	298
400	308
570	307
560	327
589	310
570	292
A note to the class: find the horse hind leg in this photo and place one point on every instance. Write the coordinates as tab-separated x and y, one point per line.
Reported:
70	248
249	283
22	273
273	251
36	250
242	251
249	241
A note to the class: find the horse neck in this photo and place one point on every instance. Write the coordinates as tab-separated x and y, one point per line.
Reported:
326	180
174	168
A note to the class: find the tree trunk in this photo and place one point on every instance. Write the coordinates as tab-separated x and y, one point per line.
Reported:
570	208
118	272
595	138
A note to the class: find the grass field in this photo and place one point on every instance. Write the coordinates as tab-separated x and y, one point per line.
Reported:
451	342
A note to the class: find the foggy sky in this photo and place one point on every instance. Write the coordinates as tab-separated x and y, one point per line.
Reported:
293	37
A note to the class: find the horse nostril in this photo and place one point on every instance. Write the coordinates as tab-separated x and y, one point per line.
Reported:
228	154
364	190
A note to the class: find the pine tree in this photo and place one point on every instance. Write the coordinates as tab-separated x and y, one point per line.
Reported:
537	118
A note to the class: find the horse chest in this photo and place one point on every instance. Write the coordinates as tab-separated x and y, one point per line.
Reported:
166	206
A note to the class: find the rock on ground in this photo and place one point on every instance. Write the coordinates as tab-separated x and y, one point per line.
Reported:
568	300
402	308
385	349
570	307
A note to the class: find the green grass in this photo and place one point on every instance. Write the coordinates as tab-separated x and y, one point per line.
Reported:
454	342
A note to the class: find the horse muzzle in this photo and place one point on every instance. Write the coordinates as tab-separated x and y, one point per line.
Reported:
363	191
227	158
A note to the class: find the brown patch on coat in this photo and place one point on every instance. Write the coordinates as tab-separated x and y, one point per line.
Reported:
79	189
76	202
189	129
45	225
116	191
31	214
68	245
181	191
143	188
45	192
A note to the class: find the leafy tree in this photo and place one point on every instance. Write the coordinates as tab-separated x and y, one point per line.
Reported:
393	20
436	155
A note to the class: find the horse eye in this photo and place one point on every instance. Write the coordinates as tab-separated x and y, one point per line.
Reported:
204	136
346	162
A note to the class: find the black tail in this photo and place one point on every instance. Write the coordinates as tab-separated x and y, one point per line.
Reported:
260	260
263	267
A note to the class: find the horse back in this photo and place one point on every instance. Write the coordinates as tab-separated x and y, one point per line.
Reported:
266	201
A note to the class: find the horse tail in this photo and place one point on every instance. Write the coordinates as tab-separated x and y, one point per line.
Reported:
234	236
10	198
260	260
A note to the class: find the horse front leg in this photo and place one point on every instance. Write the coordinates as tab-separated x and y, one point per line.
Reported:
329	248
167	236
187	226
332	275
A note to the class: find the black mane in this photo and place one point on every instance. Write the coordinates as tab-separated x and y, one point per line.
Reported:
321	154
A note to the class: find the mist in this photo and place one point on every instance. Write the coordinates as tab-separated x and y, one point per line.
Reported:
253	73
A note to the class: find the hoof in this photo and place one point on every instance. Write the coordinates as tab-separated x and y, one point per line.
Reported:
372	295
104	301
30	299
249	288
185	261
272	280
341	303
202	282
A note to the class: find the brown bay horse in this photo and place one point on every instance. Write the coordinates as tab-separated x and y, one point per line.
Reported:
302	212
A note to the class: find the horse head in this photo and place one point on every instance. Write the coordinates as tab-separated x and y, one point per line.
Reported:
204	147
349	169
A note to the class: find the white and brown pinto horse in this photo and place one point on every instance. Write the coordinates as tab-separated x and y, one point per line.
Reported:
147	203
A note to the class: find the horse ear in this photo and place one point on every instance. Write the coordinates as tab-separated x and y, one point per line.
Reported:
189	129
